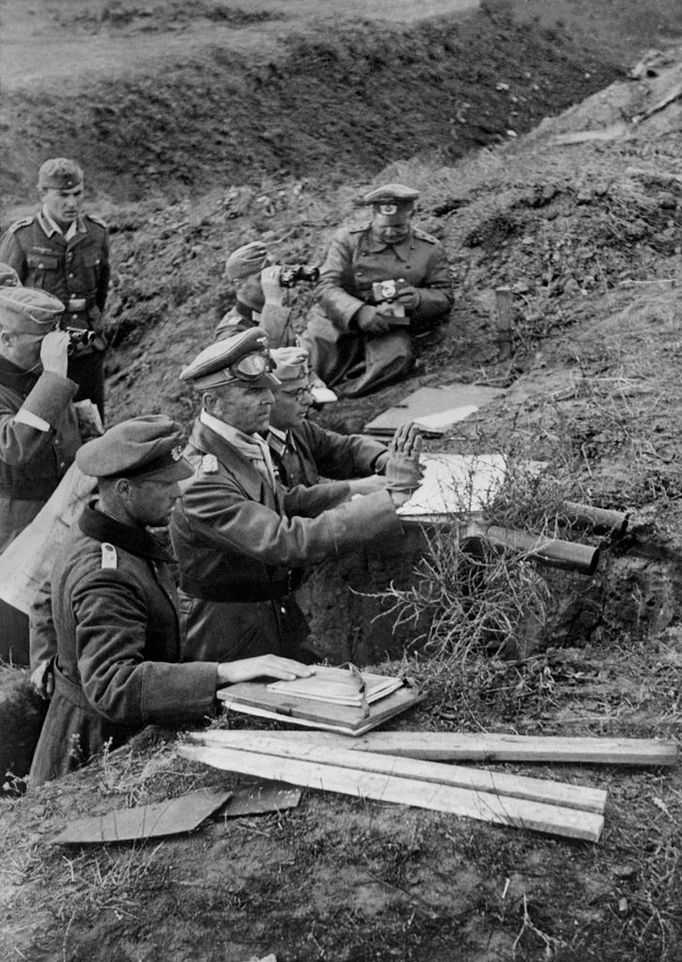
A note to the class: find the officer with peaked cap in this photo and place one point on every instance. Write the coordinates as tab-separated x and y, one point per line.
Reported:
118	665
65	252
240	538
39	432
302	450
360	334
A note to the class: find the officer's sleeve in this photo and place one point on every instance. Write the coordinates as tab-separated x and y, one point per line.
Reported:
42	634
435	291
342	455
11	253
219	514
104	274
28	433
275	320
111	619
337	283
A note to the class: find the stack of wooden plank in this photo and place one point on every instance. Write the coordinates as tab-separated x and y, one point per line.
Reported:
397	767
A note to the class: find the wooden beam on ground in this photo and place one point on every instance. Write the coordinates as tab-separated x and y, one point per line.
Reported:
484	806
490	747
476	779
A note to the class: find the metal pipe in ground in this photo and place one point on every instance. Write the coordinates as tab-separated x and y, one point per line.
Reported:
558	554
601	519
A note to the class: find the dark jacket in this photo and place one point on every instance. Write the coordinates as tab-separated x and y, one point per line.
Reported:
312	452
32	461
78	268
118	646
237	543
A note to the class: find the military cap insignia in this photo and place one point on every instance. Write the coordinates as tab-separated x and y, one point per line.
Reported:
109	556
176	452
209	464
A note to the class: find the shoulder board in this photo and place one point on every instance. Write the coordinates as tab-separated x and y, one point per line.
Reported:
360	228
97	220
24	222
209	464
422	235
109	556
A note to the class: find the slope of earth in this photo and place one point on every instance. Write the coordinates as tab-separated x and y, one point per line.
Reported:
586	230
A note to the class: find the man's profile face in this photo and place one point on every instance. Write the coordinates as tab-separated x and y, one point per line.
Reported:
62	205
151	501
243	406
22	349
291	405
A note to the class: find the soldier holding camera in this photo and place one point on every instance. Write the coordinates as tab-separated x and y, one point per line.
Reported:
39	432
66	253
381	284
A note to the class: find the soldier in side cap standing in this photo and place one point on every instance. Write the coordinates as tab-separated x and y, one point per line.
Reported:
302	450
39	432
360	334
114	608
65	252
240	538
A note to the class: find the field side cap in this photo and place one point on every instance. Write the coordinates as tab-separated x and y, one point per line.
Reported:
246	260
219	363
60	173
8	276
147	447
25	310
291	363
391	194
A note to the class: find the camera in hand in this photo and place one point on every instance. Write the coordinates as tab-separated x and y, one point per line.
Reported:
292	274
386	292
80	339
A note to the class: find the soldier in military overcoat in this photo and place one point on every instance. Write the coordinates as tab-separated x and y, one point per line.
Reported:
115	613
239	536
65	252
358	341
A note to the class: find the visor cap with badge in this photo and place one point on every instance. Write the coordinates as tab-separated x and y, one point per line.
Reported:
26	310
397	195
148	448
242	358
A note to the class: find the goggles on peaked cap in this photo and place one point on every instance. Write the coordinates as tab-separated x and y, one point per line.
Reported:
243	357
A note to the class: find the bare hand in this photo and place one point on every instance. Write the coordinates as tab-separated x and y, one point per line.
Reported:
371	321
54	352
403	470
42	679
263	666
273	292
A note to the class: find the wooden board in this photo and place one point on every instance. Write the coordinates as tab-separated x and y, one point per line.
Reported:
484	806
435	409
491	747
254	698
296	745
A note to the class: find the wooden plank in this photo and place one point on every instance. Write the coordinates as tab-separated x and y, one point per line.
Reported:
484	806
491	747
254	698
498	783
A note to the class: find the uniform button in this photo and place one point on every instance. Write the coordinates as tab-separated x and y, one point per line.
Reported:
70	275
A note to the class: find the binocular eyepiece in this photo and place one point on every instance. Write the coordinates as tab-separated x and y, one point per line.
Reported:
291	274
79	339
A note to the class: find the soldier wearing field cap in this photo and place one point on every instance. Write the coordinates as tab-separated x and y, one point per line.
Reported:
239	536
360	334
114	608
65	252
304	452
39	432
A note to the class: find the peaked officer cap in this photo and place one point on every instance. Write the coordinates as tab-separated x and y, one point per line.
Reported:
60	173
391	194
25	310
148	447
218	363
246	260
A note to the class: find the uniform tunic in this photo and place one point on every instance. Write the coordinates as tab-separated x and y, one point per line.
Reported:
77	271
311	452
39	437
239	542
356	259
118	646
